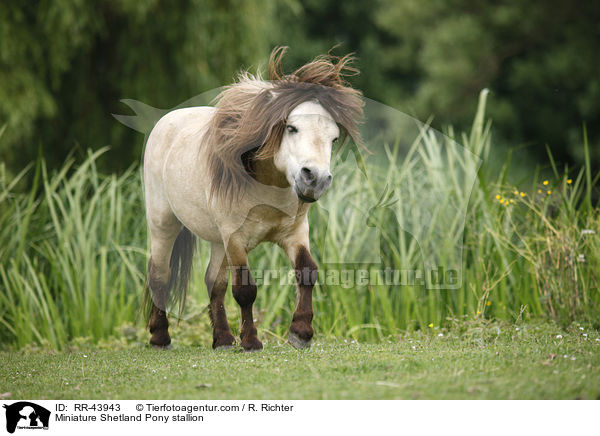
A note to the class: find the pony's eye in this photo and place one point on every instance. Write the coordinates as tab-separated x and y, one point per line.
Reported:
292	129
335	139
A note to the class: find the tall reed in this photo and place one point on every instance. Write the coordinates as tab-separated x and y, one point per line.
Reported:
73	249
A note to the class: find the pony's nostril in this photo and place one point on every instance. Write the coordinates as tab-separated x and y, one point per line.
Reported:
307	174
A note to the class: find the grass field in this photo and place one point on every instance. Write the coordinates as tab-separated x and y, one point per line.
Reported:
477	360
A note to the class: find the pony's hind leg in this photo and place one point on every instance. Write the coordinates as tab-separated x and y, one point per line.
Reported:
216	283
158	278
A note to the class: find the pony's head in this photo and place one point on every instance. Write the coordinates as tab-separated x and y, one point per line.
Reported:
292	121
304	153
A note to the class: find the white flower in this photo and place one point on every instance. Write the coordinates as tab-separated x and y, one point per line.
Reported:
580	328
440	335
558	336
588	232
585	335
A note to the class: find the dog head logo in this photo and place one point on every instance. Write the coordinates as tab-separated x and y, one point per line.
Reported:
26	415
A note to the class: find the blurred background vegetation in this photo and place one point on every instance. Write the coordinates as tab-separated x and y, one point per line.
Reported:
66	64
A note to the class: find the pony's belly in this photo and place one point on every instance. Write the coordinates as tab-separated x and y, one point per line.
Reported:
192	211
205	230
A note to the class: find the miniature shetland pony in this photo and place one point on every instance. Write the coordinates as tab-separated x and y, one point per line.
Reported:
240	173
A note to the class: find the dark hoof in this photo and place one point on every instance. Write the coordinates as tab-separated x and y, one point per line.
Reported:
251	344
160	339
297	342
224	341
300	334
162	347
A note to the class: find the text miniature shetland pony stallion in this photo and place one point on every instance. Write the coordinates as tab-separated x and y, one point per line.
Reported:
240	173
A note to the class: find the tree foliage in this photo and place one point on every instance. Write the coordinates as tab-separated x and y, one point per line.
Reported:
65	64
539	59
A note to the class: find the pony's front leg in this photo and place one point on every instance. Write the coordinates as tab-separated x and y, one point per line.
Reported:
244	292
301	331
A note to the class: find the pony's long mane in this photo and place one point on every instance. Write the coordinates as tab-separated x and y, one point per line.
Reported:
250	115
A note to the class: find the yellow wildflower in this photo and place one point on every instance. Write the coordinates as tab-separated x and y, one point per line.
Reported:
569	181
498	197
488	303
431	325
549	192
478	313
545	183
539	191
522	194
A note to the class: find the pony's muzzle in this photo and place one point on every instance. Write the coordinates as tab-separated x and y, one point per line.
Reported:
312	182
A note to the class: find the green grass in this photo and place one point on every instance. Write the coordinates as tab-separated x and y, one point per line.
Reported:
477	360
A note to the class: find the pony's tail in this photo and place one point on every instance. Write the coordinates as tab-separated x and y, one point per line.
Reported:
180	267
